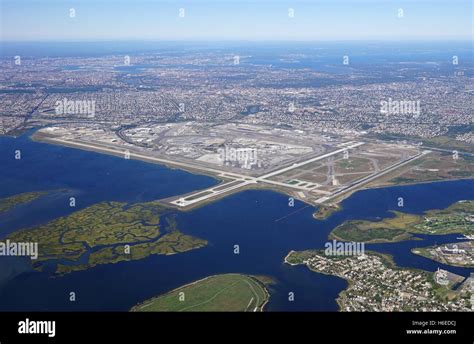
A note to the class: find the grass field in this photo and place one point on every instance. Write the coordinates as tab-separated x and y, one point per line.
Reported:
227	292
355	164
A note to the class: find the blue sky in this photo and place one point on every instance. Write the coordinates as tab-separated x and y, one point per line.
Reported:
313	20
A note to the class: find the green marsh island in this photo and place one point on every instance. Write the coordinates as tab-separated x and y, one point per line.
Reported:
8	203
457	218
107	233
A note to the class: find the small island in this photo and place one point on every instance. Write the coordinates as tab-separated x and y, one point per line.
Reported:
8	203
218	293
457	218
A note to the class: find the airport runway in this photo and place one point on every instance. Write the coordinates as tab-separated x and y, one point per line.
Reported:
211	193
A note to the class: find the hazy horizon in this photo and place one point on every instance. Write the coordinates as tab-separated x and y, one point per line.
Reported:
244	20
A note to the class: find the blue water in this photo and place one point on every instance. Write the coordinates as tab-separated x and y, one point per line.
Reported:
254	220
89	177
